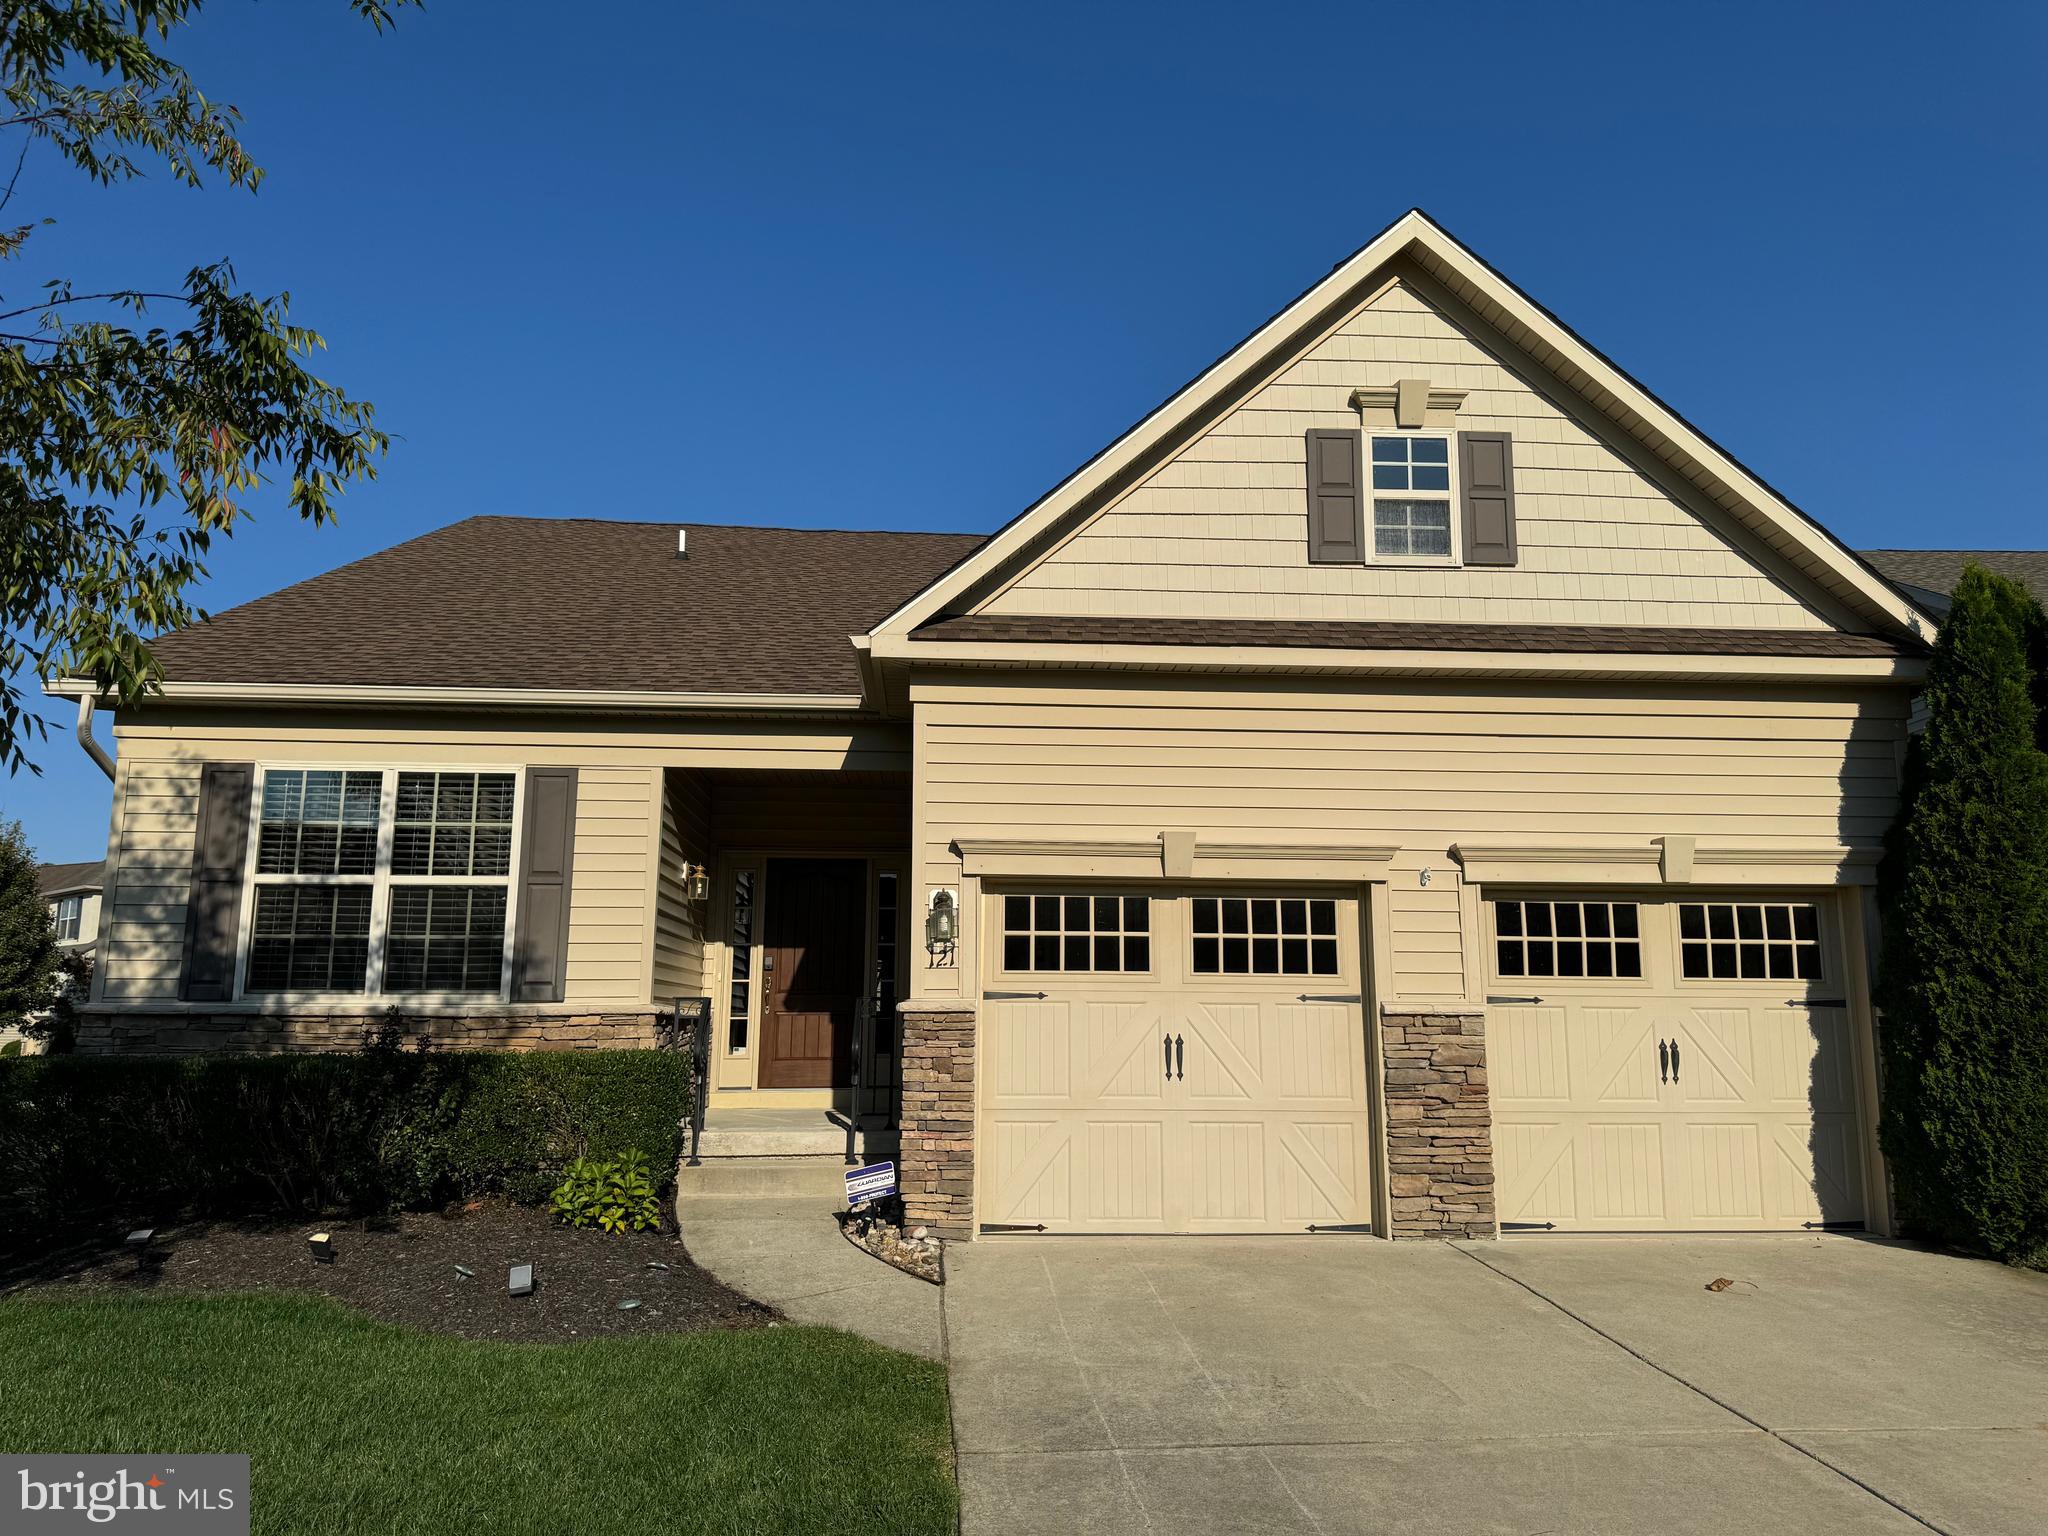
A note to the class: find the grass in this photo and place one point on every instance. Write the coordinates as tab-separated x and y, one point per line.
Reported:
353	1425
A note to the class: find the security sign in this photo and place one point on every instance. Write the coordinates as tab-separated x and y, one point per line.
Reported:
870	1183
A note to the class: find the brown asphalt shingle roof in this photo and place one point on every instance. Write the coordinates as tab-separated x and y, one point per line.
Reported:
54	878
573	603
1938	570
1383	636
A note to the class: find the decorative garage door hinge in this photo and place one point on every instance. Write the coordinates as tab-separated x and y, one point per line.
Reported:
1013	997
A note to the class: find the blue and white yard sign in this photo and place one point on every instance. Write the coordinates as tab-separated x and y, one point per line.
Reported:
870	1183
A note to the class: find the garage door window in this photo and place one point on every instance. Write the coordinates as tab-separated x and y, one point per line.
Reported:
1264	936
1749	941
1600	940
1077	933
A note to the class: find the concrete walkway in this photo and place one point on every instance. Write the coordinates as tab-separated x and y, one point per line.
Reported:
1339	1384
786	1250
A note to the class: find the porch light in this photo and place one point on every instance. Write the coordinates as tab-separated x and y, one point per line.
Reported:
697	885
942	923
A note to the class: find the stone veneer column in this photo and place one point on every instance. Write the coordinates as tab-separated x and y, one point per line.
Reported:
1439	1121
936	1058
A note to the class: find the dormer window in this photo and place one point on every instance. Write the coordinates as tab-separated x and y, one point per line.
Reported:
1407	525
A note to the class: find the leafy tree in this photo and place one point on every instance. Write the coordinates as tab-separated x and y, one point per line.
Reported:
125	450
35	974
1964	974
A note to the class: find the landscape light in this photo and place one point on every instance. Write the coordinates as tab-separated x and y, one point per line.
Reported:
521	1281
321	1246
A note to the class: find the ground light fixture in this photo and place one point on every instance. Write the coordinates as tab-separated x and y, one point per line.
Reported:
520	1282
321	1246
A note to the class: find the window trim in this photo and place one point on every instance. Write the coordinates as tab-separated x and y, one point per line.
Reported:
380	883
1454	557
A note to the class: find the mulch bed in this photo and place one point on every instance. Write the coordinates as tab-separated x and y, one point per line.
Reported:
402	1269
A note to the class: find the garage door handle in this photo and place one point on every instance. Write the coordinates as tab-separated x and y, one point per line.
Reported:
1166	1045
1180	1057
1674	1058
1663	1061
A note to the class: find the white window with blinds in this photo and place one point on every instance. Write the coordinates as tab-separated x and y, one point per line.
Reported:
380	882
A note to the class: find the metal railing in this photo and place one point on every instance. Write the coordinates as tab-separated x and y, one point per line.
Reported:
689	1029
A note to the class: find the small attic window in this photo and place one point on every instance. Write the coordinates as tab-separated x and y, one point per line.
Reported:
1407	525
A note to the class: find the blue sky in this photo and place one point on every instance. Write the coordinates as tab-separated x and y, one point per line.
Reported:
906	266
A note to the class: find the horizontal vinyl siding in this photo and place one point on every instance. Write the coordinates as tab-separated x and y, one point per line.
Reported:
142	940
162	755
1220	530
616	841
679	961
1408	766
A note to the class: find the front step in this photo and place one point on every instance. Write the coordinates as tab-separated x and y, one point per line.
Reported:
760	1178
734	1136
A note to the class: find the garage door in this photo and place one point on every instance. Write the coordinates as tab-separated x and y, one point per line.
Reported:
1671	1065
1178	1061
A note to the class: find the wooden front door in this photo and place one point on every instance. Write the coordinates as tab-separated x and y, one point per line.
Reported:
812	944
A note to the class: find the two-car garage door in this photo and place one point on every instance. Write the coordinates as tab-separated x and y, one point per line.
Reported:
1190	1060
1177	1061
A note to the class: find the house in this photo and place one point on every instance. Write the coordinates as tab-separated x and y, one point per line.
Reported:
1411	781
1929	575
73	892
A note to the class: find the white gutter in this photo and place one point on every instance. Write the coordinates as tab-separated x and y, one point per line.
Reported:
87	740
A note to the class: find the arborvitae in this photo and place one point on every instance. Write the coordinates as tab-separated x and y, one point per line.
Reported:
1964	974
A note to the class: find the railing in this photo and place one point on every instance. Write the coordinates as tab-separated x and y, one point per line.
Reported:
863	1027
690	1030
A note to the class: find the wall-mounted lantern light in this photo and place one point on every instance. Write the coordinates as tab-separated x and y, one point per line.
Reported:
942	922
697	885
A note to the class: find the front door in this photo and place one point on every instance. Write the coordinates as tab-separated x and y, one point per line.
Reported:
812	941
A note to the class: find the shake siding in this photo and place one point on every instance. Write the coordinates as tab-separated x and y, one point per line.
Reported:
615	877
1416	766
1220	530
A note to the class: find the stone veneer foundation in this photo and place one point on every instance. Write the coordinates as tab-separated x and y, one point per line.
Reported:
936	1176
507	1029
1439	1122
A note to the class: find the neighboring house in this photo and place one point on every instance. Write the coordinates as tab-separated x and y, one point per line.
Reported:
1411	780
1929	575
73	892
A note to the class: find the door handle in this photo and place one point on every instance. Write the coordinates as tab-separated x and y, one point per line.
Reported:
1674	1058
1180	1052
1663	1061
1166	1045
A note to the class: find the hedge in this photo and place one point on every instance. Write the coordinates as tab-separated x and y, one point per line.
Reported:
151	1139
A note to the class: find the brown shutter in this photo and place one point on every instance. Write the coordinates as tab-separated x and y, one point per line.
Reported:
540	952
1486	478
213	910
1336	497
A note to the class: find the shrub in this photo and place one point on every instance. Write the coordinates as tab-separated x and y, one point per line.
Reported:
617	1195
1964	973
84	1138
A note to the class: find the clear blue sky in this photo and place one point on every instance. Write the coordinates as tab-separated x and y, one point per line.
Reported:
601	261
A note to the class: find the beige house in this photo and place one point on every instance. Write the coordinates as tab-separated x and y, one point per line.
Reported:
1412	780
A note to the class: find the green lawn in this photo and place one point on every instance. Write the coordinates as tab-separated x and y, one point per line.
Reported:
356	1426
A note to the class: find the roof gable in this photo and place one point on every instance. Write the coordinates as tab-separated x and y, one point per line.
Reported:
1745	557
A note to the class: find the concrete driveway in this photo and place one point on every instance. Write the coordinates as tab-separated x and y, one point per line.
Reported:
1338	1384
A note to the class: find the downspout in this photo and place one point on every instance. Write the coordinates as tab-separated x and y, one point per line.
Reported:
87	740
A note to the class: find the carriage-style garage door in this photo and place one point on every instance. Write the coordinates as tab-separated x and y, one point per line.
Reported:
1671	1065
1186	1061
